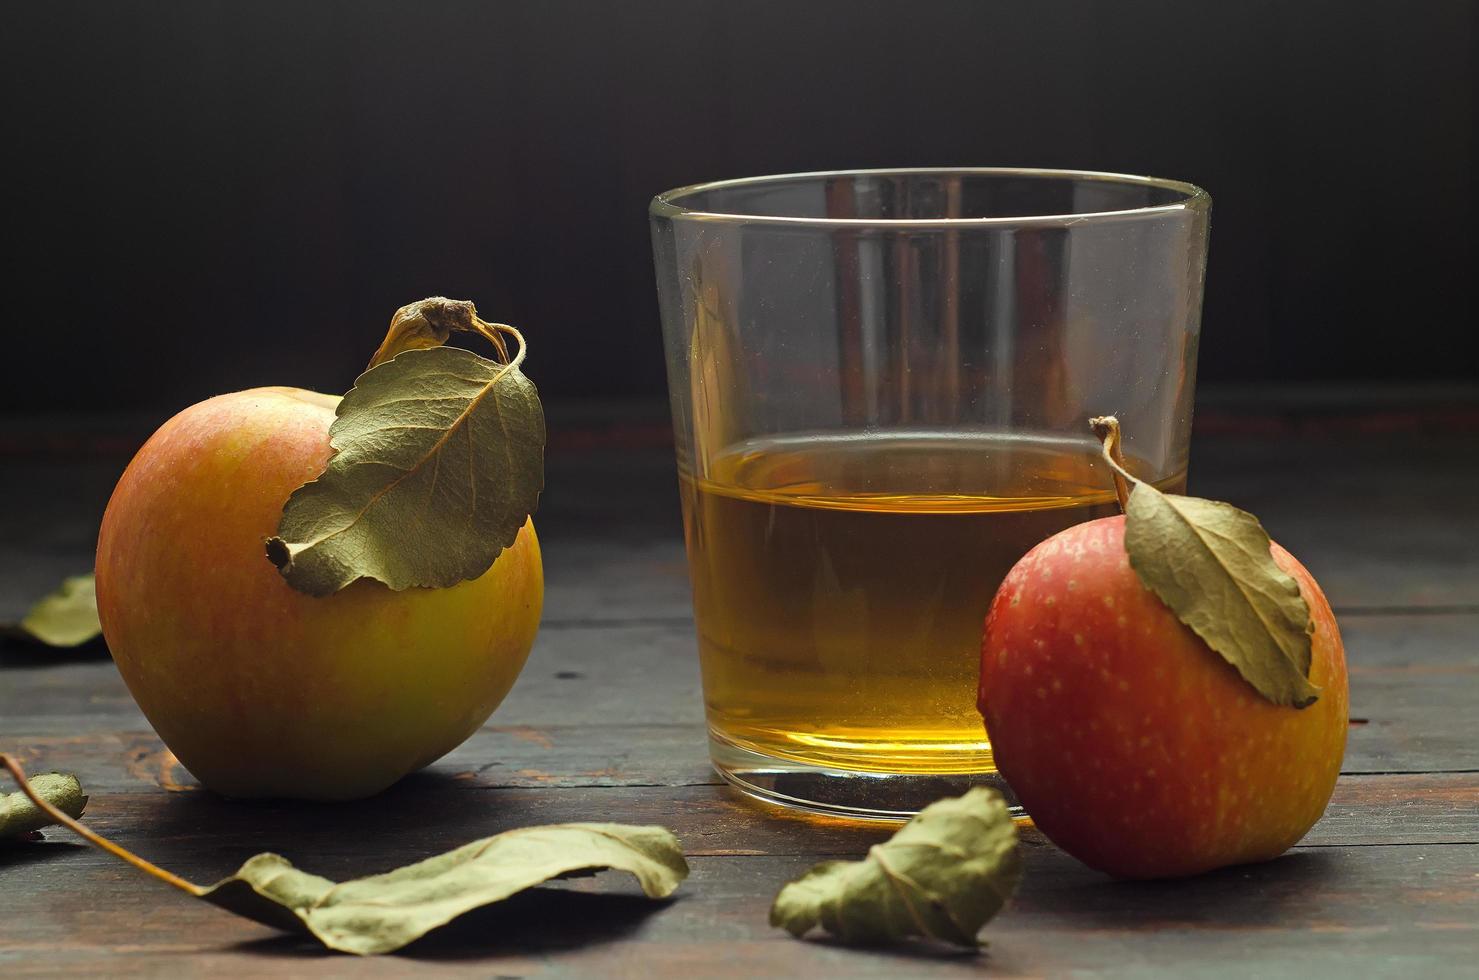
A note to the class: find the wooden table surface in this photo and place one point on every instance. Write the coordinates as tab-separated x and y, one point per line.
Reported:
606	723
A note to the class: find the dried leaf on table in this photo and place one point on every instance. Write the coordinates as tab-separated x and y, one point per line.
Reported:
382	913
942	876
20	819
67	617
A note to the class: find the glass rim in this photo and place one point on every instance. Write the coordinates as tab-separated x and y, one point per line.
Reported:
668	203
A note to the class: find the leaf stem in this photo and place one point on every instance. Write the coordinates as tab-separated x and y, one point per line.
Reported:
91	836
1107	429
494	333
432	321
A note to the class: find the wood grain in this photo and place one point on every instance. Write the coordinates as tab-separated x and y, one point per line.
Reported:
1413	684
1384	522
607	723
1372	910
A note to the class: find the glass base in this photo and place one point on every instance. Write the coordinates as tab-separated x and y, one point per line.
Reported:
848	793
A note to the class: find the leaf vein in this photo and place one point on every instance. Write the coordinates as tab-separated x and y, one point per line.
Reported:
376	497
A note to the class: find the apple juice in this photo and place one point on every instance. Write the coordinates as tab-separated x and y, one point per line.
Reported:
840	584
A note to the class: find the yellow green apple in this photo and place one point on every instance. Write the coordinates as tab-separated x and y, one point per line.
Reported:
258	689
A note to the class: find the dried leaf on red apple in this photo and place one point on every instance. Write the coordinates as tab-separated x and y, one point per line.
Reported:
1210	563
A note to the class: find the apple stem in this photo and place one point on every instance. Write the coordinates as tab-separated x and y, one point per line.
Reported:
91	836
1107	429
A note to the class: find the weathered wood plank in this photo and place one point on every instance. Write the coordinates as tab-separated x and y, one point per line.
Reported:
1414	692
521	756
593	582
1384	521
1414	680
1385	807
1363	911
442	809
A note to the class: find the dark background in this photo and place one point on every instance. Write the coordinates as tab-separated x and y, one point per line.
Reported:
210	196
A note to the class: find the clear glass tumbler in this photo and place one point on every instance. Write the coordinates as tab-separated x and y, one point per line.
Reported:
880	385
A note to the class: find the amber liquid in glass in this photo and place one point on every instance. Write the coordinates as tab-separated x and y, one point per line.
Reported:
841	582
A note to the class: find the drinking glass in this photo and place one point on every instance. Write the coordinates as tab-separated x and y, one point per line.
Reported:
880	385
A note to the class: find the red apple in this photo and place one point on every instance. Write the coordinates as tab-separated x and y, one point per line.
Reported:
259	689
1134	746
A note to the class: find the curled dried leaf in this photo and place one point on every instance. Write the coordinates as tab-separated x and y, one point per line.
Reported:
942	876
67	617
430	323
382	913
20	818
